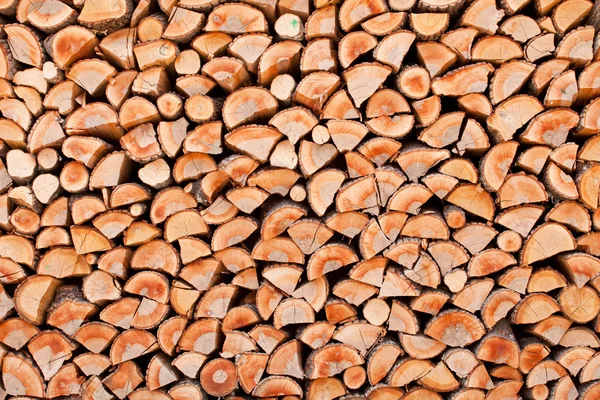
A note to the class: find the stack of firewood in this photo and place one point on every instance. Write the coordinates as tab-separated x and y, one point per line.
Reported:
279	198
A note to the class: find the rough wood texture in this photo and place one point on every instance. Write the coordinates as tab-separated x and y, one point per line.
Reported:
300	199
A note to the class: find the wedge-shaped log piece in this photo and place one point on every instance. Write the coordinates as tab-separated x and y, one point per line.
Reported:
455	328
349	223
315	89
50	350
381	360
579	267
346	135
569	14
364	79
24	44
92	75
168	202
575	46
472	296
329	258
89	240
132	344
474	199
437	58
483	15
140	144
551	127
397	284
521	189
588	371
349	18
295	123
94	119
520	219
279	217
286	360
156	255
34	296
409	199
202	336
340	106
124	380
249	48
534	308
461	81
317	334
309	234
117	47
353	45
15	368
545	241
280	58
69	309
275	180
444	131
562	90
233	232
92	364
210	45
63	263
393	48
184	223
587	87
248	366
425	272
496	50
248	105
509	79
313	156
421	347
205	138
490	261
278	249
18	249
540	47
513	114
571	214
66	382
277	386
416	160
408	370
236	19
349	334
354	292
247	199
331	360
330	388
521	28
196	165
440	379
360	194
427	225
101	16
160	372
291	312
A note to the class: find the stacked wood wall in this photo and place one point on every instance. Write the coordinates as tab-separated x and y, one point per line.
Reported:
381	199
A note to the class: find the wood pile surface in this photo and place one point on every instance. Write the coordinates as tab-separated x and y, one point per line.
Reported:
353	199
